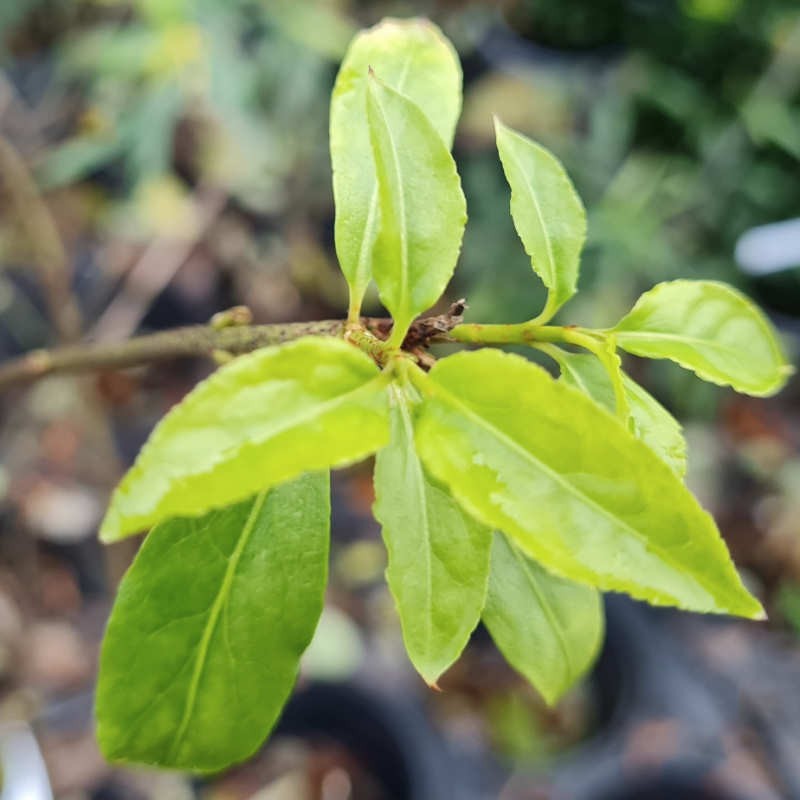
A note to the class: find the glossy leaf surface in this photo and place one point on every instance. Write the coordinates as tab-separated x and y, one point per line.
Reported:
264	418
566	481
710	328
421	206
413	57
438	555
654	425
547	212
549	629
204	641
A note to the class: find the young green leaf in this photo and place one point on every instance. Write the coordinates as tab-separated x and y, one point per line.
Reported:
547	212
710	328
422	207
264	418
539	460
654	425
548	629
413	57
438	555
204	641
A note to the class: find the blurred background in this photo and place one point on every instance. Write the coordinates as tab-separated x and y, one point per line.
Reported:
161	160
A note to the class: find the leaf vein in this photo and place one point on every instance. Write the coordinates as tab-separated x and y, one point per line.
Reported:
216	610
540	217
558	478
401	213
548	612
426	532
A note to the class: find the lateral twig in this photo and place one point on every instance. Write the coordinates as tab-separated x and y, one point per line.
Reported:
206	340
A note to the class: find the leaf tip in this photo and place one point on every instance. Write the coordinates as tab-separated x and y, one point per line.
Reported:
109	529
433	685
551	699
374	83
751	609
116	526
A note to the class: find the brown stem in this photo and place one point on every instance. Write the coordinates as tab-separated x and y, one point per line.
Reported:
206	340
196	340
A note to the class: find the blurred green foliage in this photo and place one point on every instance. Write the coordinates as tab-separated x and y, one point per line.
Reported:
243	78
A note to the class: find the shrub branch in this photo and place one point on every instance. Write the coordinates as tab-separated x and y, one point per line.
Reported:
208	341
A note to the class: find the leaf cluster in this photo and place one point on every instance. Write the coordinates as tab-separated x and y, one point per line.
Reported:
505	495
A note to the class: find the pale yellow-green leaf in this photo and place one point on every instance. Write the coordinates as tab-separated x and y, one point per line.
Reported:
710	328
438	554
264	418
653	424
564	479
413	57
547	212
548	628
422	209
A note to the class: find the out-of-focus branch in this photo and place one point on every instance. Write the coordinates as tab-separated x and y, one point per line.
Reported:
156	267
43	240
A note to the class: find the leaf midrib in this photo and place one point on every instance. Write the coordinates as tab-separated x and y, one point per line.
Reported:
213	618
547	609
402	310
503	437
308	414
294	421
548	244
362	266
576	376
640	399
623	334
423	497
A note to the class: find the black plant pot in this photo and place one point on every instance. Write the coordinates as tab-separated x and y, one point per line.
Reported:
388	736
645	679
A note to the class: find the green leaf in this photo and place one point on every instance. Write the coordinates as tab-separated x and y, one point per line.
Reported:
264	418
438	555
413	57
575	490
204	641
547	212
710	328
548	629
654	425
422	208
